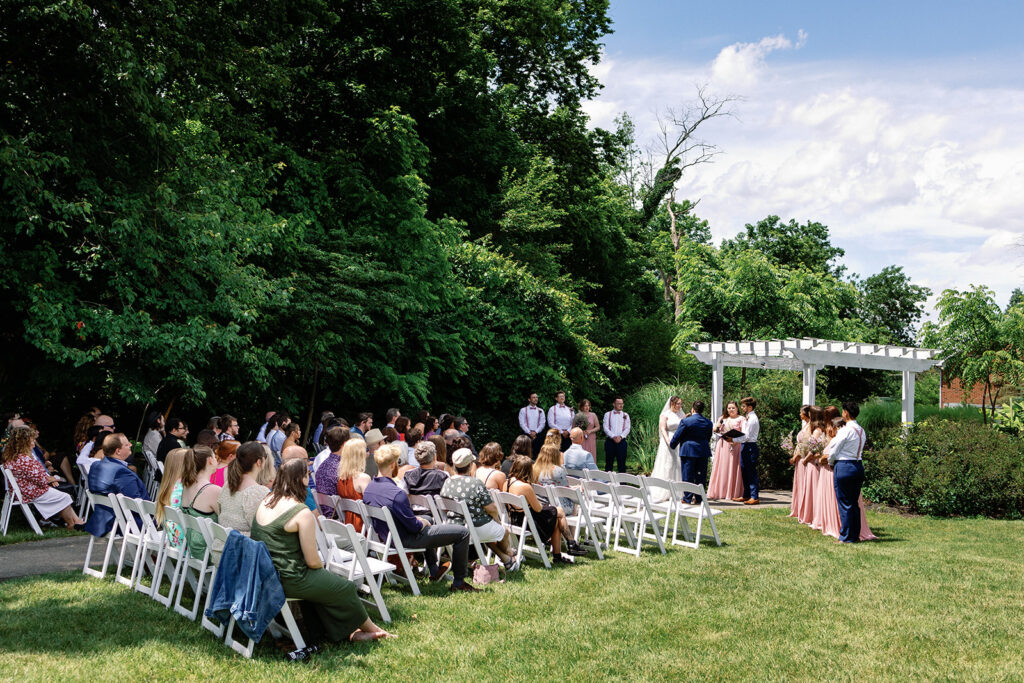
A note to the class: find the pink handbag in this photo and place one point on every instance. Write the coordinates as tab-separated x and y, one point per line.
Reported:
487	573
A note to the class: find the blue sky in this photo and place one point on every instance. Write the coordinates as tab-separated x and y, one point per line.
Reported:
900	125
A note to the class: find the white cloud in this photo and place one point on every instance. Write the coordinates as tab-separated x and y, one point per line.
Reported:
920	165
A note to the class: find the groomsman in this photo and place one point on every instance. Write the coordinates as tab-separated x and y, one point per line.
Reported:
845	452
616	427
694	433
749	453
532	421
560	418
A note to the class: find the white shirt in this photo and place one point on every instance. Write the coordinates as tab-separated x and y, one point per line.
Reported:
531	419
616	423
152	441
751	431
560	417
319	459
83	460
262	436
848	443
579	458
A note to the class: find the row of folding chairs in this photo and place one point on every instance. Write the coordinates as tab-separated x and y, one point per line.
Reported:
13	498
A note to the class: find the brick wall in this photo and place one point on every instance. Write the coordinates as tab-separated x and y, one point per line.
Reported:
954	394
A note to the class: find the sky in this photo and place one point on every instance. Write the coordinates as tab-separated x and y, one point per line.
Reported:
900	125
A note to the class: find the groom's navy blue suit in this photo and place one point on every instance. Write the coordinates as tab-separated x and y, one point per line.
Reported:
694	433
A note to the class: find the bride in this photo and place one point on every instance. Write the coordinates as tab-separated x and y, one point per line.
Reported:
666	463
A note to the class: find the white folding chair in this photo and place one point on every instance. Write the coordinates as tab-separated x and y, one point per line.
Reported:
347	557
343	505
600	475
461	509
189	564
521	532
84	503
421	504
662	499
602	507
393	545
219	534
13	498
323	500
175	554
131	538
636	520
584	531
150	543
150	482
579	474
247	650
112	535
701	511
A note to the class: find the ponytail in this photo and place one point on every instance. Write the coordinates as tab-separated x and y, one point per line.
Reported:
247	457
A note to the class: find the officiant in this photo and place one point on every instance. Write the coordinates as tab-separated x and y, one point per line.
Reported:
694	438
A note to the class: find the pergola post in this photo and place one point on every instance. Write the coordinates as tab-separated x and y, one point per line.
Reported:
810	374
908	396
717	384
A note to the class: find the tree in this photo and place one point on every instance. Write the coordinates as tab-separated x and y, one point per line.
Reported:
890	306
980	344
1016	298
790	245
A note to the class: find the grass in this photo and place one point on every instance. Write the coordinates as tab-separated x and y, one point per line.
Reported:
19	532
933	599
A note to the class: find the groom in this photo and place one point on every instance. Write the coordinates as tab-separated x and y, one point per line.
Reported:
694	433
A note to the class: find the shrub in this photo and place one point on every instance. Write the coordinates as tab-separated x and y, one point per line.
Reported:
948	468
644	407
877	415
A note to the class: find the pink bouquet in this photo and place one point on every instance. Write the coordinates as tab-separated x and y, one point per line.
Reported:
787	443
816	444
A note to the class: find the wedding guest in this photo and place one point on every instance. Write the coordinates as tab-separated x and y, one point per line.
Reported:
169	494
208	438
318	433
616	428
352	479
576	456
238	500
36	485
532	421
102	426
464	485
392	415
560	417
427	479
402	426
749	452
726	477
275	434
694	433
326	477
550	519
331	603
443	448
267	470
373	438
322	455
262	435
176	430
292	436
200	493
488	471
462	424
523	445
590	429
548	470
228	428
431	427
154	433
225	452
81	436
108	475
364	423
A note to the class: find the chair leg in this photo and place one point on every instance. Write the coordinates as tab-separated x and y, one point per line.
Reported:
293	628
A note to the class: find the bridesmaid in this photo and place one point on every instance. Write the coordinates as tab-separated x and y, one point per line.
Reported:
796	508
590	431
812	471
826	494
726	479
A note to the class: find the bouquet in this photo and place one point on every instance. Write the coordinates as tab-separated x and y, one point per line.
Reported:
816	445
787	443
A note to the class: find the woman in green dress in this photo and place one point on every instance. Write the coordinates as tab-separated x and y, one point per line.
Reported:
288	528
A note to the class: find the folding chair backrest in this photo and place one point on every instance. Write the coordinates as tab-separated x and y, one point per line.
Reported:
147	512
579	474
576	481
324	501
628	479
542	492
177	517
446	505
681	488
596	489
424	503
12	486
384	515
343	505
656	482
599	475
123	514
218	536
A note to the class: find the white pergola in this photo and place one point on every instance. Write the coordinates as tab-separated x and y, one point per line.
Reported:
808	355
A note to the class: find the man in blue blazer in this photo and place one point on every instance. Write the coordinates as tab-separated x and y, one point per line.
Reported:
111	475
694	433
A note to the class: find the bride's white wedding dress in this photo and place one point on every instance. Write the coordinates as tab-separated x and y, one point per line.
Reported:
666	462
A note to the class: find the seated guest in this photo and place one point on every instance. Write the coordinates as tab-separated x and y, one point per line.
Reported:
198	495
412	438
352	480
373	438
169	493
553	437
550	519
275	433
261	436
292	436
103	426
330	604
176	430
228	428
576	456
462	424
442	449
392	415
110	474
488	471
225	453
484	513
427	479
296	452
208	438
154	433
523	445
35	484
415	532
321	426
364	423
402	426
322	455
548	470
391	436
239	499
325	481
267	470
82	427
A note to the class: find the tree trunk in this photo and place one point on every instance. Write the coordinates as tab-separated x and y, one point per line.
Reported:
743	381
677	300
312	402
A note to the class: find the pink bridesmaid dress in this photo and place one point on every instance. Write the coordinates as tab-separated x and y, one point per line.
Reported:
808	507
796	508
813	479
726	478
827	503
865	530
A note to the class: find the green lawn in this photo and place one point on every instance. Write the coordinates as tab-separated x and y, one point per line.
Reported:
933	599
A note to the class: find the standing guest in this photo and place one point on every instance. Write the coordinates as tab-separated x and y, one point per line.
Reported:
749	452
364	423
228	428
326	478
576	456
262	436
225	452
36	485
560	417
200	494
616	427
392	415
176	430
427	479
155	433
352	478
482	509
845	453
374	438
242	495
110	474
726	475
590	429
523	445
321	425
331	604
532	421
275	434
488	470
292	436
694	435
416	533
402	427
796	508
462	424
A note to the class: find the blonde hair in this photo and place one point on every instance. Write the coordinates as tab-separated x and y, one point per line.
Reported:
548	457
553	438
174	468
386	456
266	471
353	459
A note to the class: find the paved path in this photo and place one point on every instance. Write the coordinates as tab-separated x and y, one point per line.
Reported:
68	553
